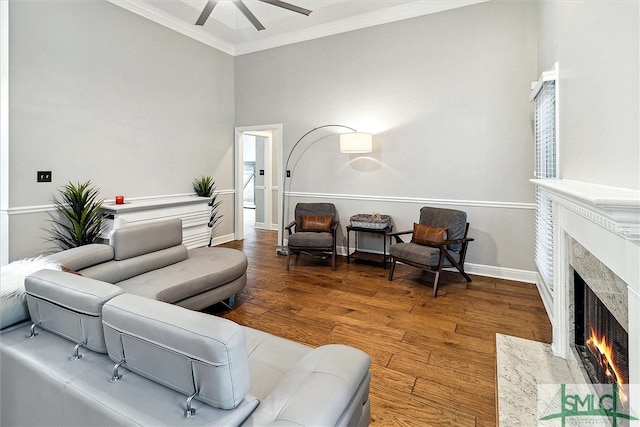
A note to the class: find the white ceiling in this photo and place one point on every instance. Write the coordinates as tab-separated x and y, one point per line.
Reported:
228	30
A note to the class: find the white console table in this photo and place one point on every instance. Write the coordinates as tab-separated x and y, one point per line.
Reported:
192	210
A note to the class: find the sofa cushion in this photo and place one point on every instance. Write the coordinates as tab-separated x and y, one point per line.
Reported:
184	350
69	305
129	242
205	269
117	271
331	374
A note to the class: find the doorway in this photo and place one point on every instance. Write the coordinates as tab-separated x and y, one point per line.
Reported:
257	178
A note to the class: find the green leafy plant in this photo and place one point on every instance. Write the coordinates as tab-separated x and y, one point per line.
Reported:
80	222
214	216
204	186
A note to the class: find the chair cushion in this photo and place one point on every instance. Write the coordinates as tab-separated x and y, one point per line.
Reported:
419	254
321	209
316	223
306	239
426	234
454	219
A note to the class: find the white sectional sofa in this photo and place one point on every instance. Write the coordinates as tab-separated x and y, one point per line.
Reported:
101	356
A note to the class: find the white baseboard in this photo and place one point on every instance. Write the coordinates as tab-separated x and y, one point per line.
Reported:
223	239
546	296
501	272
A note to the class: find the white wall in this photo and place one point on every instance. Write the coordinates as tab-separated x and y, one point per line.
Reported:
597	47
100	93
446	96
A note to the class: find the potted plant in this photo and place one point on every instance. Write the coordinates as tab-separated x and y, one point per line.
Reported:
204	186
80	221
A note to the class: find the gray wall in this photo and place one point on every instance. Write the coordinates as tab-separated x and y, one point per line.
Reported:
597	46
446	96
99	93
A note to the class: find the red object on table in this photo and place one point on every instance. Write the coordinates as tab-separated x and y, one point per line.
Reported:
119	200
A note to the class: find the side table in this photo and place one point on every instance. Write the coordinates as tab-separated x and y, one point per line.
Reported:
368	256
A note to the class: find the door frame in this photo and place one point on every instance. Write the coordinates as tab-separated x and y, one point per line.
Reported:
274	146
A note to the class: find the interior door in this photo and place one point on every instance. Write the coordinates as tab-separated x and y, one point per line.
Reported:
257	178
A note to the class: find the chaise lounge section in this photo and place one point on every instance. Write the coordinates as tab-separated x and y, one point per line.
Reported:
150	260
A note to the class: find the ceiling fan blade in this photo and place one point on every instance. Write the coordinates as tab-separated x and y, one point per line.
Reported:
250	16
208	8
288	6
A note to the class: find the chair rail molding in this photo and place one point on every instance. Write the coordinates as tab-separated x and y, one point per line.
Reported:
414	200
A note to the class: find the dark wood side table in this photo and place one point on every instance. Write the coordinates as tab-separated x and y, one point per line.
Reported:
368	256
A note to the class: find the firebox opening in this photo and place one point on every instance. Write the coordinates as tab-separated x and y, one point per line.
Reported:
601	342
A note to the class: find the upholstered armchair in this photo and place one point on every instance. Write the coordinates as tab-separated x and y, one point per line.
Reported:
438	241
313	230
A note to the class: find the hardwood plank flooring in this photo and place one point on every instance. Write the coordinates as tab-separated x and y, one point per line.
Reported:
433	359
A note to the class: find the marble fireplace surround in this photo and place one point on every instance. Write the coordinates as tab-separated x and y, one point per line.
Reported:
597	234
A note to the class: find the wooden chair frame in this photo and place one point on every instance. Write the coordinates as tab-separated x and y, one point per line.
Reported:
444	254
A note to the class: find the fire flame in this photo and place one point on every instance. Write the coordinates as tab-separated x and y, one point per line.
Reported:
603	352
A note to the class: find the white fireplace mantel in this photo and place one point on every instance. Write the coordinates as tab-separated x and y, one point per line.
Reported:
616	209
605	221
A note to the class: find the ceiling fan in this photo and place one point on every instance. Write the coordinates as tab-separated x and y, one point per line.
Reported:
208	8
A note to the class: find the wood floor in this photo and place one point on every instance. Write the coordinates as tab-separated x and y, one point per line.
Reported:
433	359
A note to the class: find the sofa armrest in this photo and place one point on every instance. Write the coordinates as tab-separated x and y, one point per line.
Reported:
318	390
83	256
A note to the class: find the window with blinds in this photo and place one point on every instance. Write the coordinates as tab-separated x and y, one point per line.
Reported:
545	168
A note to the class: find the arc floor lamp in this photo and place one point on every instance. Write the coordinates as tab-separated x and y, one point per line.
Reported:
351	142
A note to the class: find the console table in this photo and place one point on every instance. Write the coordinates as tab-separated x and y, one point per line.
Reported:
192	210
368	256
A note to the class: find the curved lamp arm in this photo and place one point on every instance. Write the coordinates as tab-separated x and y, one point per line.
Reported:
286	168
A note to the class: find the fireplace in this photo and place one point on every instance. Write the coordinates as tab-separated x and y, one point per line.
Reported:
597	235
601	342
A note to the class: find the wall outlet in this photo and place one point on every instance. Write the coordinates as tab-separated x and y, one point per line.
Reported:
44	176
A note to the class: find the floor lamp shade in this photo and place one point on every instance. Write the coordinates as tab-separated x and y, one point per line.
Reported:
356	142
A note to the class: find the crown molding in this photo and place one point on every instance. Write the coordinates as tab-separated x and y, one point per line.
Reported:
160	17
384	16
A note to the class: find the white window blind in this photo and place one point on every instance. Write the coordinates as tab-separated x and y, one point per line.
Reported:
545	168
